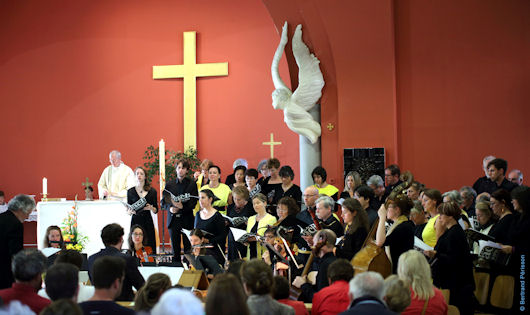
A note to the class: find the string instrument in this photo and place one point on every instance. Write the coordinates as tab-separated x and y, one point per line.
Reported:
294	292
372	257
315	220
144	254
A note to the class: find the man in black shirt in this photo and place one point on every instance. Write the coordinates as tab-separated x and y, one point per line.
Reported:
310	196
325	206
483	183
107	276
180	213
112	237
392	173
497	180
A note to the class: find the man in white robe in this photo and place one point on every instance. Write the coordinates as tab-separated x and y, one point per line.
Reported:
116	179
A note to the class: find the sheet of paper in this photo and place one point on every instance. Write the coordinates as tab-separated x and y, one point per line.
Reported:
48	251
483	243
238	233
420	244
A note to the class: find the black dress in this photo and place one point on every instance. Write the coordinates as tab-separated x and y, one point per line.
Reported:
235	249
215	225
293	192
400	240
501	230
270	191
351	243
453	268
143	217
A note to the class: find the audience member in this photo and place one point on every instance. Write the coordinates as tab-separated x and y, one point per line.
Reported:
281	293
62	281
334	298
178	301
226	296
366	293
414	269
258	282
516	177
150	293
397	294
112	237
392	173
12	234
74	258
28	266
108	273
62	307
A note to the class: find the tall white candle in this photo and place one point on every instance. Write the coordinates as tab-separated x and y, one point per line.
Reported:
162	164
44	186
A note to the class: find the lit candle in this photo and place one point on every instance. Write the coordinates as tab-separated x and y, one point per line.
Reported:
162	164
44	186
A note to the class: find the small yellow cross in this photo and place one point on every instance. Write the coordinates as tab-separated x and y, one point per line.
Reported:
272	144
330	126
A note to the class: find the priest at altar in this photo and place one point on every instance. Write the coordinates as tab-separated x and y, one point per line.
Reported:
116	179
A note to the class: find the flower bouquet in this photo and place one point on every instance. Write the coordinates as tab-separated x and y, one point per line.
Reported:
71	236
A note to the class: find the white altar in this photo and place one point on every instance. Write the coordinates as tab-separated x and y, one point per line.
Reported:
91	218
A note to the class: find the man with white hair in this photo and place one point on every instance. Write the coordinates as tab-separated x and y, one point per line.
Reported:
484	181
115	179
366	293
12	234
516	177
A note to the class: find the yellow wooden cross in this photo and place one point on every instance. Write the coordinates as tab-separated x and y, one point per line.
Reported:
272	144
190	70
87	183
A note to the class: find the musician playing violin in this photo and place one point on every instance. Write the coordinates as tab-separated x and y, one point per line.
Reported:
180	214
324	242
138	244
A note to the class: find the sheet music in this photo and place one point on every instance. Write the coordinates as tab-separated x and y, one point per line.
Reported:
462	224
340	201
482	244
240	235
421	245
48	251
187	232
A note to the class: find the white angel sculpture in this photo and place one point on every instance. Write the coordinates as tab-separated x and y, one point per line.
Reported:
296	105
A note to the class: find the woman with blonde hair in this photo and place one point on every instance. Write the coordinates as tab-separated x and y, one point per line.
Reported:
150	293
414	269
351	182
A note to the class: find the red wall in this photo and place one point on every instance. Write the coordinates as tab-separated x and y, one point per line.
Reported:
76	82
439	84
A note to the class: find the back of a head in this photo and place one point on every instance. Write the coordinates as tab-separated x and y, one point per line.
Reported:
416	271
27	264
340	269
106	270
178	301
70	256
226	296
22	203
257	276
397	294
368	283
62	281
111	234
281	288
150	292
62	307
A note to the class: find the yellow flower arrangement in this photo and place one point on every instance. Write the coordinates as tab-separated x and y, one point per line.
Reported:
71	235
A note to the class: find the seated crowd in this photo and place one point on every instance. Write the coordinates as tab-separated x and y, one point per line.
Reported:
282	247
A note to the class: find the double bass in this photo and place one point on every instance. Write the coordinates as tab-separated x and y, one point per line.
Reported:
372	257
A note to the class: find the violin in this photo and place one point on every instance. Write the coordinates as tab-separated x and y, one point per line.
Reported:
143	254
294	292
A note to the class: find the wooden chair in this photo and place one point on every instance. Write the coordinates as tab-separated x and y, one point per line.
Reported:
502	292
482	282
452	310
446	294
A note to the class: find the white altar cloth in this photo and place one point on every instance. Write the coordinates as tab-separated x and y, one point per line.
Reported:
92	216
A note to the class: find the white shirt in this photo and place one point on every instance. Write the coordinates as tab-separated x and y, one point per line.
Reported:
116	180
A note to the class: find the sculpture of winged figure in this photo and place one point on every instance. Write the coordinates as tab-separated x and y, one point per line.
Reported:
296	105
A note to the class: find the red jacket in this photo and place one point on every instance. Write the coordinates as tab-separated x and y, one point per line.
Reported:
299	307
26	295
332	299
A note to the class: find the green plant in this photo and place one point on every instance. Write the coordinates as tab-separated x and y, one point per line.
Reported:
152	164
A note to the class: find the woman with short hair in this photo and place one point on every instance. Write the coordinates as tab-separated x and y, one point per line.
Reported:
212	222
258	223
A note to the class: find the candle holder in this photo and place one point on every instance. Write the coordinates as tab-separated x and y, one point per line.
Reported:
44	197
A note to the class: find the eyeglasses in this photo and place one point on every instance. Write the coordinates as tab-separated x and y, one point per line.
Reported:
138	234
304	195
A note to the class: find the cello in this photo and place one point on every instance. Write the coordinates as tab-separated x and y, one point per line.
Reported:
372	257
294	292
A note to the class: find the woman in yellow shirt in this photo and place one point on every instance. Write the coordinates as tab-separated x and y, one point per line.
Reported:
258	223
432	198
